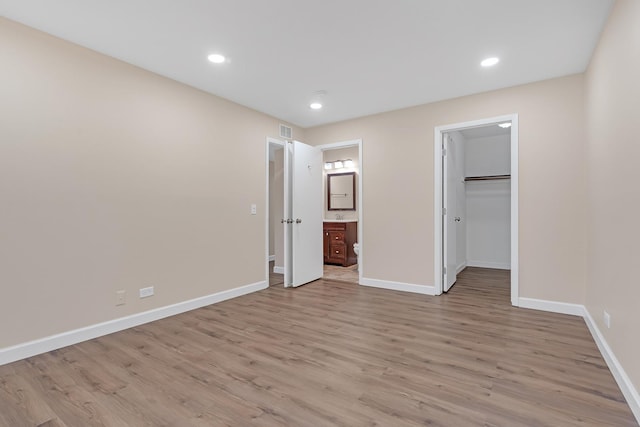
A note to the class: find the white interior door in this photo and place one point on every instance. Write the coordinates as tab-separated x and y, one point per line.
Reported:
303	212
449	179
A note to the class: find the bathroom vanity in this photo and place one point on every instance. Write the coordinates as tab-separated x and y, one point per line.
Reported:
339	237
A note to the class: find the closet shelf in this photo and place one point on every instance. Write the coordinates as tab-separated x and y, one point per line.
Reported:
486	177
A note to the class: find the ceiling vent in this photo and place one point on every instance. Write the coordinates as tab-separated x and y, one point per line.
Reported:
285	132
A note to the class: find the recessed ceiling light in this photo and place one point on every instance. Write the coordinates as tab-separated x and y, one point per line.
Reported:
315	106
505	125
216	58
490	62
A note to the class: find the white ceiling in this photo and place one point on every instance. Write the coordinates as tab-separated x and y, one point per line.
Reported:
485	131
369	56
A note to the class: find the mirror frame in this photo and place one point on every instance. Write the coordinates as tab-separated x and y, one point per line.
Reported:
353	191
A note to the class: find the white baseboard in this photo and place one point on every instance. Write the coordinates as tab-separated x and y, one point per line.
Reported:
624	382
552	306
461	267
43	345
399	286
272	258
489	264
278	270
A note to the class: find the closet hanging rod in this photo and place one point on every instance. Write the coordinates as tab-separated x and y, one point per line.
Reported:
486	177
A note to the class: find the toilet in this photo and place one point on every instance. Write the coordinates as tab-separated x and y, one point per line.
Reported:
356	250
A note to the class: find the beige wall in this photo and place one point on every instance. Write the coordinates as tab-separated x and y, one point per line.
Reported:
613	159
112	178
398	184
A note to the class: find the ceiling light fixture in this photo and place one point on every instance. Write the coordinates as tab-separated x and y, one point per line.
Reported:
216	58
490	62
505	125
339	164
315	106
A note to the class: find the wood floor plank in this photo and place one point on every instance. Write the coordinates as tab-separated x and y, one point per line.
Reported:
329	353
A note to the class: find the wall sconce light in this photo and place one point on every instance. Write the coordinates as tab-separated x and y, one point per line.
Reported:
339	164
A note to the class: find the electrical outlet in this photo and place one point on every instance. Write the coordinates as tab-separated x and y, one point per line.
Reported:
146	292
254	209
607	319
121	297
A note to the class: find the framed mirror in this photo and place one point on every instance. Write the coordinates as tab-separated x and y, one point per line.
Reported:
341	191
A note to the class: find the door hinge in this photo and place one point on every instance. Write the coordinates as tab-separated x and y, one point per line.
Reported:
444	211
444	270
444	152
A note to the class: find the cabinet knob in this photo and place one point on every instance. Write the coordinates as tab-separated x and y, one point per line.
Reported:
336	237
337	252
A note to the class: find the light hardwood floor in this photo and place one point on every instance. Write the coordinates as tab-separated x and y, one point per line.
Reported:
329	354
330	272
343	274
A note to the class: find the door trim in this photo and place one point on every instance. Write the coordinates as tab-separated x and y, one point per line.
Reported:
346	144
438	202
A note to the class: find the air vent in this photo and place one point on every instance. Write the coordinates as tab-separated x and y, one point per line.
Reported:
285	132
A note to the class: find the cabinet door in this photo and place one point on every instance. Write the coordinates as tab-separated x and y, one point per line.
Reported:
336	236
338	253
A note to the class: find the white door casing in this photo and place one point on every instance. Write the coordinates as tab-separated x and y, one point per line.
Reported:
449	213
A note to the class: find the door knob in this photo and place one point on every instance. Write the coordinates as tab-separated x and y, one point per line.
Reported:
298	221
457	219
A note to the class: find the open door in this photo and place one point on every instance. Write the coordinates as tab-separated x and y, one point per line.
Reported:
449	213
303	214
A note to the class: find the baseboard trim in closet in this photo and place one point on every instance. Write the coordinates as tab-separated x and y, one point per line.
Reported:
489	264
399	286
54	342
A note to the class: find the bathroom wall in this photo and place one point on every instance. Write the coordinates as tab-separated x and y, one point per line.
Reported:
276	204
272	246
341	154
488	202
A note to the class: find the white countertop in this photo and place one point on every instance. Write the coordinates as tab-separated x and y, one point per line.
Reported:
340	220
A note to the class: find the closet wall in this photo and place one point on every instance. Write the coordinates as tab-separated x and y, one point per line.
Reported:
488	216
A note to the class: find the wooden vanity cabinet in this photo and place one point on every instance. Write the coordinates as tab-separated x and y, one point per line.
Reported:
339	238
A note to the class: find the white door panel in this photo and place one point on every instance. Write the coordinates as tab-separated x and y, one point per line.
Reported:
304	205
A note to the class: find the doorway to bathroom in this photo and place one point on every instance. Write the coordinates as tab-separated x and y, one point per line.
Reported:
342	212
476	200
284	239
